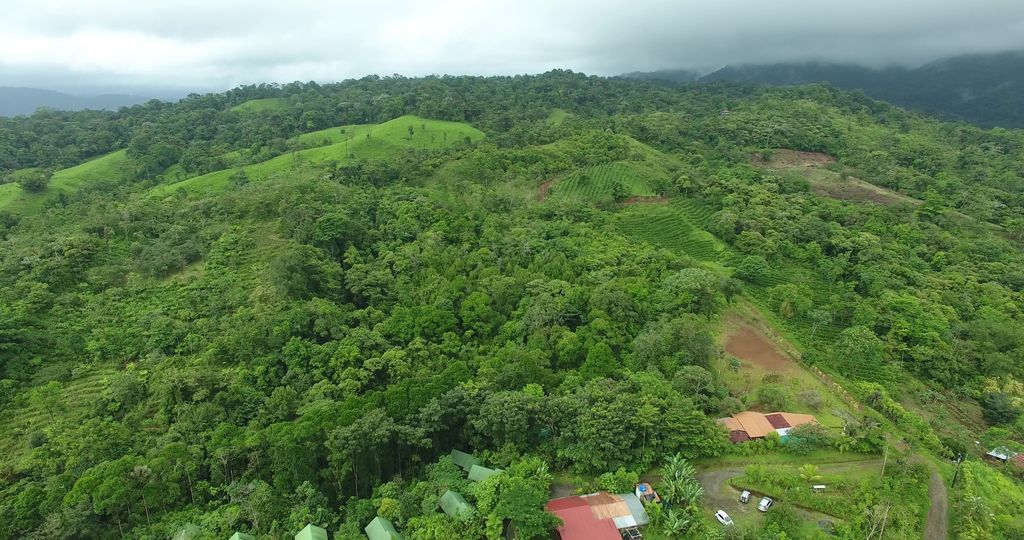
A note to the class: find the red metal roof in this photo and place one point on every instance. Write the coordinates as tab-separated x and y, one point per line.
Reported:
565	502
777	421
579	523
738	436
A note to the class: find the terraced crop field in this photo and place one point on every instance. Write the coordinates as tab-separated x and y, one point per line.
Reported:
679	228
17	422
354	143
667	227
597	182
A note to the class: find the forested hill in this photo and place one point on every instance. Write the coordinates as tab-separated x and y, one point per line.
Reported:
15	101
981	89
284	305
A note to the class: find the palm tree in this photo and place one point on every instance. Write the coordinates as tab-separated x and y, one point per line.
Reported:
809	473
691	492
677	468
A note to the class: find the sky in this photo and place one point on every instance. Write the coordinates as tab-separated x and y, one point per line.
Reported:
212	45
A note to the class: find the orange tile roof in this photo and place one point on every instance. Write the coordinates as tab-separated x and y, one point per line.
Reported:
754	423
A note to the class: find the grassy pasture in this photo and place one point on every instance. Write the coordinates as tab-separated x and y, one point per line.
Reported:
347	143
8	194
557	116
261	105
108	168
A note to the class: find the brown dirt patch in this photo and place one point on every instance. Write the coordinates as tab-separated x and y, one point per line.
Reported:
853	189
749	345
795	158
542	191
645	199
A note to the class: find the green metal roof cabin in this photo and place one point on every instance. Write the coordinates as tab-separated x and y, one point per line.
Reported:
464	460
454	504
312	532
478	473
381	529
241	536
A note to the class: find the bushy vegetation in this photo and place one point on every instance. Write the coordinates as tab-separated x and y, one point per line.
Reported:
857	496
228	319
988	505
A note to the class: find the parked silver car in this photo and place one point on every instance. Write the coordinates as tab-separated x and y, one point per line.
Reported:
745	497
723	518
765	504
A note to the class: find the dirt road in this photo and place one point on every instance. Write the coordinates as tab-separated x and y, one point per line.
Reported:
935	528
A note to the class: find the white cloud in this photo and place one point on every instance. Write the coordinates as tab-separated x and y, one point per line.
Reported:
220	43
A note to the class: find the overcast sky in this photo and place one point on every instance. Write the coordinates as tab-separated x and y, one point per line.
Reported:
217	44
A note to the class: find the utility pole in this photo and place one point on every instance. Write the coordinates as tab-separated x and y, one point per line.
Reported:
959	460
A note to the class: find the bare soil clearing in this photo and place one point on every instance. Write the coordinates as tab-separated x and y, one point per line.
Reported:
853	189
783	158
749	345
829	183
542	191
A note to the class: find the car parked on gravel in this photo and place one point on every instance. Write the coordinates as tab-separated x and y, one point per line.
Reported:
745	497
723	518
765	504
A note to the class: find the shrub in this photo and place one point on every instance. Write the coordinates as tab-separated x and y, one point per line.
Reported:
772	396
812	399
36	181
621	481
807	438
753	269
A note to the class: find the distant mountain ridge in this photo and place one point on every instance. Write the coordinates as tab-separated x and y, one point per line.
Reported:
986	89
16	101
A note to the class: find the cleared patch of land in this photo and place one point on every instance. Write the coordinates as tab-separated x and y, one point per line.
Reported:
8	193
557	116
260	105
747	344
765	358
783	158
109	168
347	143
829	183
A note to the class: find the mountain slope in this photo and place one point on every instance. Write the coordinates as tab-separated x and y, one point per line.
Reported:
16	101
981	89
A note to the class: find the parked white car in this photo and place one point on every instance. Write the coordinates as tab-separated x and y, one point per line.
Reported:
745	497
765	504
723	518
